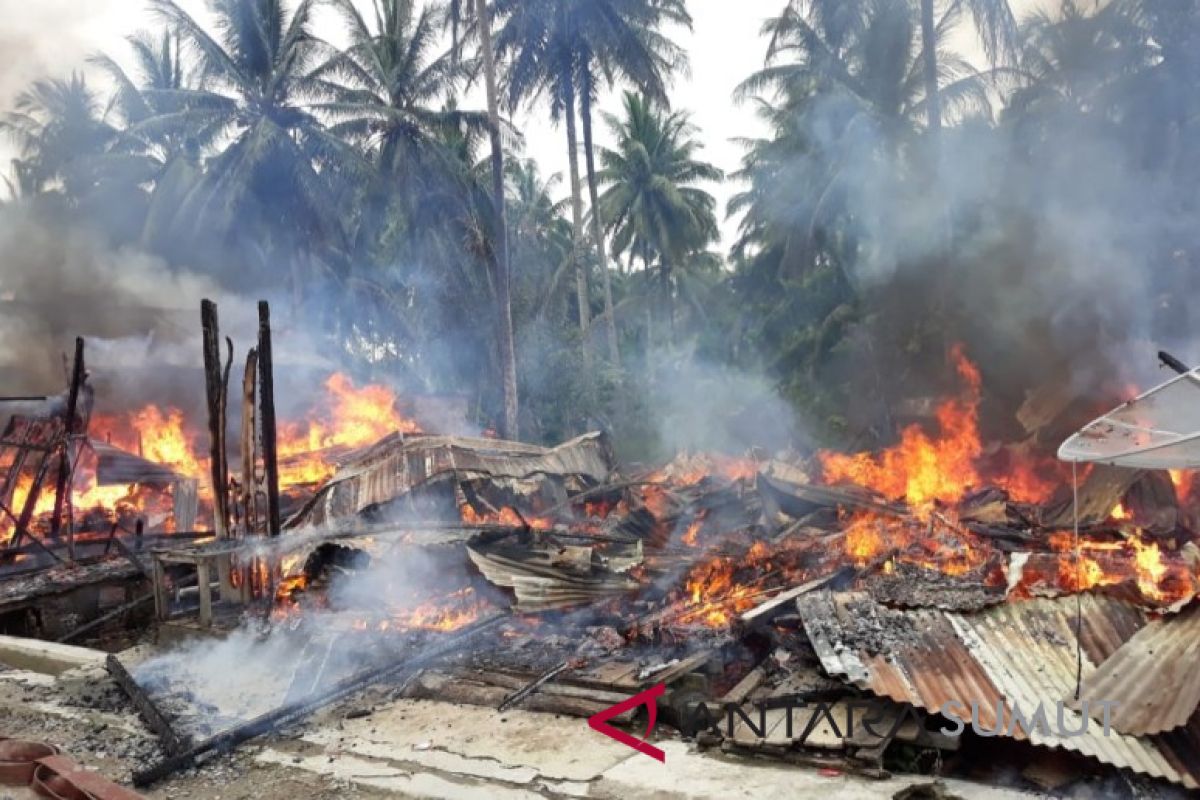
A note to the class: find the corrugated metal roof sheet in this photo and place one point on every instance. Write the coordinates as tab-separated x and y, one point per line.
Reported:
1012	656
115	467
395	466
1152	676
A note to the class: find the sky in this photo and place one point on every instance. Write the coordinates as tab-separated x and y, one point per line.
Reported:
52	37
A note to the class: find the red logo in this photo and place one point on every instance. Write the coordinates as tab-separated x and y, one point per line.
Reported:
599	722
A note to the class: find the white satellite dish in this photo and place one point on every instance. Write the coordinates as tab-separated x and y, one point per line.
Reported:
1159	429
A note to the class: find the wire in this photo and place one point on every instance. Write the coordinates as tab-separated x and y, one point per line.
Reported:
1078	582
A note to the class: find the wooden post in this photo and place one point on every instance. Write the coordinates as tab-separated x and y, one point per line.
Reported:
204	587
266	414
216	427
62	488
250	514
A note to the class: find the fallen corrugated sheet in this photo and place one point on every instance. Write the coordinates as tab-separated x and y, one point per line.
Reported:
1153	676
395	466
1013	656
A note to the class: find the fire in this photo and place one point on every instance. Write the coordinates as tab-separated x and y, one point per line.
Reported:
864	539
1158	577
156	435
1119	513
446	614
43	505
1182	480
357	417
505	516
922	469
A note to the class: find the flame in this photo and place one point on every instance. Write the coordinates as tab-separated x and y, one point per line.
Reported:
1158	577
1119	513
922	469
353	417
505	516
157	435
1182	480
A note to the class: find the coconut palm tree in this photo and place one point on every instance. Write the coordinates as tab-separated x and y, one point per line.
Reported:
276	164
478	12
567	51
59	128
652	204
148	91
535	44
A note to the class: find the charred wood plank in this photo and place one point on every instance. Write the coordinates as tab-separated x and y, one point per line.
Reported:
791	594
288	714
172	743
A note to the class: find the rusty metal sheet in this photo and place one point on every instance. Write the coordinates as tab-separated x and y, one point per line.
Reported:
1016	655
116	467
1152	676
395	466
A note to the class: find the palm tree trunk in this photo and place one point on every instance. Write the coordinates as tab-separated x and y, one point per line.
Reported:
581	278
589	154
668	300
933	95
507	345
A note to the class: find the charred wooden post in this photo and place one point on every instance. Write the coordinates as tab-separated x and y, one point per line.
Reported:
62	489
250	444
267	417
216	429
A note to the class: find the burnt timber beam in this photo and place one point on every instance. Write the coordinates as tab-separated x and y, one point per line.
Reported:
216	430
172	743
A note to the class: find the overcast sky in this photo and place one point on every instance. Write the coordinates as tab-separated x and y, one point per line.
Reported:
40	37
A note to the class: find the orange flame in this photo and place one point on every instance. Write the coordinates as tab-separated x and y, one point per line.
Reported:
922	469
356	417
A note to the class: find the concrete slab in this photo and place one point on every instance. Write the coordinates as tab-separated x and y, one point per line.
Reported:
515	747
49	658
424	748
690	775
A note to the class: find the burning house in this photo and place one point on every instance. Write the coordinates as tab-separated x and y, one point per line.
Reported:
966	595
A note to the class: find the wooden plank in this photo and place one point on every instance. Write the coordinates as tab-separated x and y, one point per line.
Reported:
786	597
745	686
204	587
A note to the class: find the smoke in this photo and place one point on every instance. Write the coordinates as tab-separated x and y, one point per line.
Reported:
701	405
1047	246
52	37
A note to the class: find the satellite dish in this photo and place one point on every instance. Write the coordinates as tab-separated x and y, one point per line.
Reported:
1159	429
